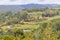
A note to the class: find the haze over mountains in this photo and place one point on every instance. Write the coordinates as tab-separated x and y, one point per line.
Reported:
19	7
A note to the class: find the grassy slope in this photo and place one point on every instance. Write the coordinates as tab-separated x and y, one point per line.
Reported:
32	26
51	18
26	26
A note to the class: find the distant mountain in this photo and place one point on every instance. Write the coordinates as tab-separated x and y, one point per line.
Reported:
19	7
40	5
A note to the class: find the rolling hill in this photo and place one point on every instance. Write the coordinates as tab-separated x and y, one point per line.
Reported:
19	7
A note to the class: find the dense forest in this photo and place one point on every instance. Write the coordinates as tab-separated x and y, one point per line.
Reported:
30	24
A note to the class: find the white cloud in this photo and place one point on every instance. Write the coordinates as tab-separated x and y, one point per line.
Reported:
51	2
17	2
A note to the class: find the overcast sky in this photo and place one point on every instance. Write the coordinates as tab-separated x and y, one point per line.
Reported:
20	2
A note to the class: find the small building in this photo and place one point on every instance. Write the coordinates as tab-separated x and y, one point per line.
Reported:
26	30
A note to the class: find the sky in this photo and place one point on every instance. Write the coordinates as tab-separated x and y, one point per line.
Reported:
22	2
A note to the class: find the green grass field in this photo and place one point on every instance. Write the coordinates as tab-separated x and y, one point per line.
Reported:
35	13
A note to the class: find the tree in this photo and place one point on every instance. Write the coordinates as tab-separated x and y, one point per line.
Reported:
23	15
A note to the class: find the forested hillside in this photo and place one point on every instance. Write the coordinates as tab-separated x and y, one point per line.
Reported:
30	24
